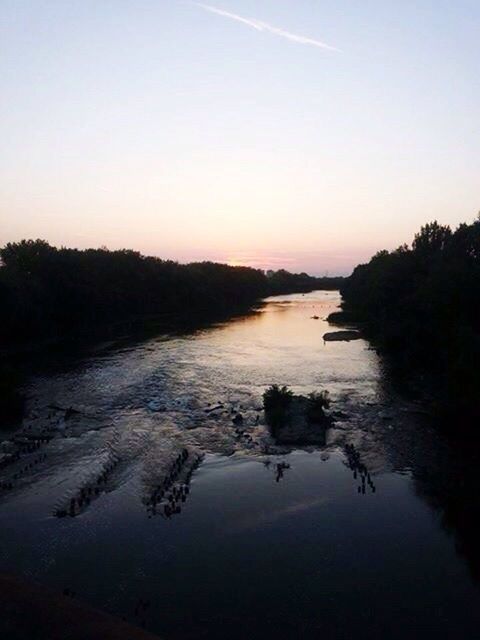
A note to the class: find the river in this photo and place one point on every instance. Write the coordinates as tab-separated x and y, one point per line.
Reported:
373	535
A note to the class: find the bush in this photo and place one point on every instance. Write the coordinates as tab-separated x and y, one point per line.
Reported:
316	405
276	402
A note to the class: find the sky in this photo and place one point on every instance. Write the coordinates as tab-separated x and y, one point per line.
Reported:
303	134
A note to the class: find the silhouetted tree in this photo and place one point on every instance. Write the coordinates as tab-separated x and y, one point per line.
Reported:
47	292
422	307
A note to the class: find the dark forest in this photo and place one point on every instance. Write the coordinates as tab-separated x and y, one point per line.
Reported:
47	292
421	306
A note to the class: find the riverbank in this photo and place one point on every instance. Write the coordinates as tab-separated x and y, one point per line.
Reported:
420	306
20	361
29	611
383	511
47	292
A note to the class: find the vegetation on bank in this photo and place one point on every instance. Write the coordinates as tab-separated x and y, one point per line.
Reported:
47	292
282	281
11	400
421	306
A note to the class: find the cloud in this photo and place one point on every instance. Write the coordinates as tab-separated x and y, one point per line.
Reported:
264	26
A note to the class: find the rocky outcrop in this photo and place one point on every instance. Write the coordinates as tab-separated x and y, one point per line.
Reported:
298	426
341	336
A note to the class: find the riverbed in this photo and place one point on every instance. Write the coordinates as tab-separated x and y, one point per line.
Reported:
372	535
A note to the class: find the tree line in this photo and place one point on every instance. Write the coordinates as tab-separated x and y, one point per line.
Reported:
46	292
421	305
281	281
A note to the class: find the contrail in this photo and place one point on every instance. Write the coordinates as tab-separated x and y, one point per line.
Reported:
264	26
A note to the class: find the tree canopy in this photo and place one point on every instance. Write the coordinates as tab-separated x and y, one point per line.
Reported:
46	291
421	304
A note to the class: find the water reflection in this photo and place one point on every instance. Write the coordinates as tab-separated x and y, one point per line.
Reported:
451	486
360	471
180	496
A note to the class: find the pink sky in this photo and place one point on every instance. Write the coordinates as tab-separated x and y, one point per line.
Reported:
274	134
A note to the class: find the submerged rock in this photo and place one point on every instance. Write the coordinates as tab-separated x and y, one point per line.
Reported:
341	336
156	405
70	412
210	409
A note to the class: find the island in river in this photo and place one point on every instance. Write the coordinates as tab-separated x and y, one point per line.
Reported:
371	533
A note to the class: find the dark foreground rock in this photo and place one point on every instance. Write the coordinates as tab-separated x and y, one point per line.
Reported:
33	612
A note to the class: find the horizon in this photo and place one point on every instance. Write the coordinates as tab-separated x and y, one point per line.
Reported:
240	319
230	263
272	134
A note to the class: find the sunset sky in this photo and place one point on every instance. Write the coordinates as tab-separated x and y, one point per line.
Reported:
303	134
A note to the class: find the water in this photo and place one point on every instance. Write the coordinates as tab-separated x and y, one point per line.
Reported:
301	550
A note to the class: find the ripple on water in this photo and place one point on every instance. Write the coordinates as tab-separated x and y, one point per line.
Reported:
135	422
